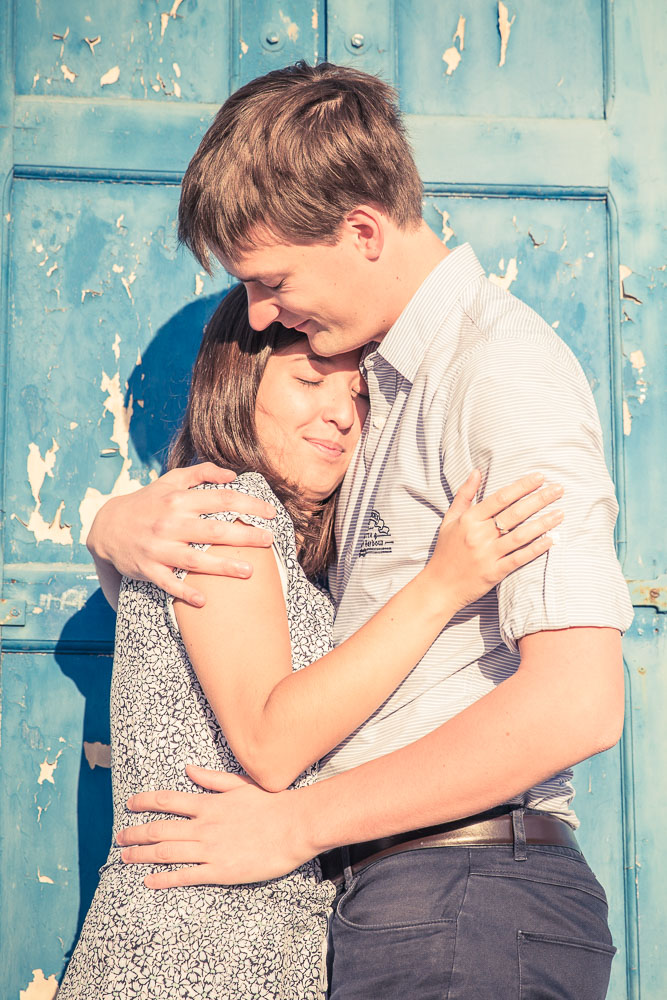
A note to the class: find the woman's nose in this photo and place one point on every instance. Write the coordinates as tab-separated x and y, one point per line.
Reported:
341	409
262	309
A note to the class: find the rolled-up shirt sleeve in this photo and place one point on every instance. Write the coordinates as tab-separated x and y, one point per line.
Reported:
520	408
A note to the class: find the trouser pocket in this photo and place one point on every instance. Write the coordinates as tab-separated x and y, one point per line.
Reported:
393	932
553	967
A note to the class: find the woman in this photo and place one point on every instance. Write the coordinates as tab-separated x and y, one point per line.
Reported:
222	685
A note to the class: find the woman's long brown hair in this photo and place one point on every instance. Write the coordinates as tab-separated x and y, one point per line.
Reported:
219	423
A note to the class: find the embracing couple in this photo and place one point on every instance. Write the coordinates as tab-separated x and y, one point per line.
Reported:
394	818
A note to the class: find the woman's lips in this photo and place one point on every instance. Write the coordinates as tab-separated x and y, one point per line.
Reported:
327	448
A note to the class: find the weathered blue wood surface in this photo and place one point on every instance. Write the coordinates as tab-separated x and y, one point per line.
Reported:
552	165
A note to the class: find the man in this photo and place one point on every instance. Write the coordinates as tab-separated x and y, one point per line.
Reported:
463	877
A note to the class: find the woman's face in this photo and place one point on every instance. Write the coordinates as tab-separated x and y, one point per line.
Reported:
309	414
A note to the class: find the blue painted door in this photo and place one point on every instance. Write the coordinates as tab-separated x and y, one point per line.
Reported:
535	129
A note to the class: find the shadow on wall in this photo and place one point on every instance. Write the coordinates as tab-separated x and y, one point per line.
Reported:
162	380
85	643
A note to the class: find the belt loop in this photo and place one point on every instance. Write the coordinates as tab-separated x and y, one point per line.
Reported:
348	874
519	831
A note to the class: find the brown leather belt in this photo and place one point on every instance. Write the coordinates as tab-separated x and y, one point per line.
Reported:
489	829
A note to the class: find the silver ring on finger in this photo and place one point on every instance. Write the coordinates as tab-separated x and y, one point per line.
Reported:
502	531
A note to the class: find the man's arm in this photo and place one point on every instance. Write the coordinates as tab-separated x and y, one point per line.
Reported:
146	534
525	730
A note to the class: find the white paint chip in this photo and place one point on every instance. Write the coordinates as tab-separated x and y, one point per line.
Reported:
627	419
624	273
92	42
40	988
452	57
73	425
120	435
46	770
244	49
555	324
119	222
111	76
69	74
315	19
637	360
199	284
460	32
504	27
115	347
177	70
291	27
38	469
44	878
505	280
54	267
97	754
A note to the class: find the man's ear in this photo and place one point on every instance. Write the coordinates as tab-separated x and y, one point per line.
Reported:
365	225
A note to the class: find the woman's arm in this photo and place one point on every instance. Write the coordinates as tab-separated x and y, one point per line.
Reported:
278	721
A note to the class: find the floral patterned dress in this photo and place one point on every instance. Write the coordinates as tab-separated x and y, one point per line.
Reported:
263	940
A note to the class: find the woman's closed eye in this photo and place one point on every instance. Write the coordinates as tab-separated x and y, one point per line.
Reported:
313	383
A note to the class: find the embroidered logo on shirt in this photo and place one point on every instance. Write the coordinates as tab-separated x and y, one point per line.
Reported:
377	537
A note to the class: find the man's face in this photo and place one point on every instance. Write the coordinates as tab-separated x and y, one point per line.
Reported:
322	291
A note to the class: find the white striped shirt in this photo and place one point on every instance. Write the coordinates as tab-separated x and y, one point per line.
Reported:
470	377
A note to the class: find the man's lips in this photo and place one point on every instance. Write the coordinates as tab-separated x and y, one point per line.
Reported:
328	448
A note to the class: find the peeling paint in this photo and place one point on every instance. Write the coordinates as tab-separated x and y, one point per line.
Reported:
115	347
505	280
199	284
504	27
627	419
244	49
40	988
54	267
46	770
44	878
97	754
111	76
89	291
69	74
92	42
131	278
38	469
315	19
177	69
637	360
555	324
164	21
124	484
119	221
452	57
291	28
73	597
624	272
73	425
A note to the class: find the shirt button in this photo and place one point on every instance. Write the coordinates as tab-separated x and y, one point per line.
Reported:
379	422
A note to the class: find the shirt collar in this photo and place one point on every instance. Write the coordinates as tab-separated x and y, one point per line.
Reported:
406	342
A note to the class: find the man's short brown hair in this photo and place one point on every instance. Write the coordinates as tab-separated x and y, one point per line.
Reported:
291	153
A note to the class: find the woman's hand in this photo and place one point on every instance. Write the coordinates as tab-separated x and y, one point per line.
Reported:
480	544
145	534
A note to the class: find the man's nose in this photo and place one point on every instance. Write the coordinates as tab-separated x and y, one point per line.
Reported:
262	308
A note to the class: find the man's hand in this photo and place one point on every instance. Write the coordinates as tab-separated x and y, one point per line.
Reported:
259	825
145	534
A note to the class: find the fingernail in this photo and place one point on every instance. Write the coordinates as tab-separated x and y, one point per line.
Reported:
556	515
267	537
537	477
244	569
198	600
270	510
130	802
